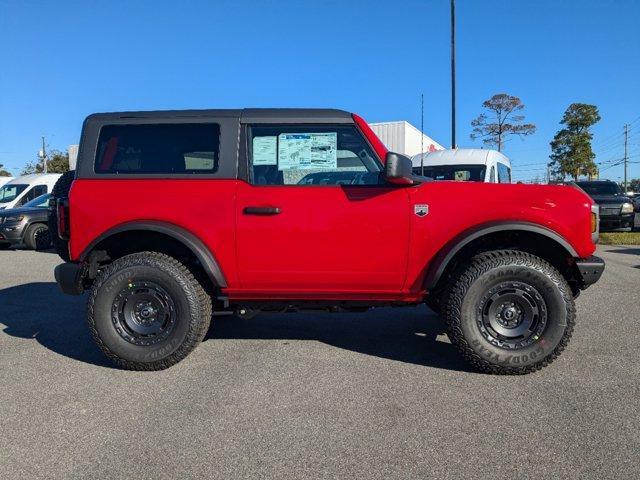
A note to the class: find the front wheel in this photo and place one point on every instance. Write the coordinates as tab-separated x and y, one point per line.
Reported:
147	311
37	237
509	312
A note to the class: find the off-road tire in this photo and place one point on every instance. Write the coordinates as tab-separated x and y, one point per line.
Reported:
60	190
463	310
192	306
37	237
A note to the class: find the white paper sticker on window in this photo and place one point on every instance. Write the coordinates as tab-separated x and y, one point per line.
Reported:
264	151
307	151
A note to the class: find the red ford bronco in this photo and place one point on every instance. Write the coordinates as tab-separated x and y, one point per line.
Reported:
172	217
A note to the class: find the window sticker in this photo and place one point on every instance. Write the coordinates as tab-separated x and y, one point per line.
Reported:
264	151
462	175
305	151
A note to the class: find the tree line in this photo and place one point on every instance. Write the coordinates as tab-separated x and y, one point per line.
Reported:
571	152
57	162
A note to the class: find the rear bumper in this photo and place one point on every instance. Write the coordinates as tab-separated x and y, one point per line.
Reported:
69	277
590	270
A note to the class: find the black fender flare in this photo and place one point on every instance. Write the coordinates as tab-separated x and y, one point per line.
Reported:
193	243
440	262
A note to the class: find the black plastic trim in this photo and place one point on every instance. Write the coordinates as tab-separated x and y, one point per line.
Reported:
69	278
590	269
446	254
295	115
199	249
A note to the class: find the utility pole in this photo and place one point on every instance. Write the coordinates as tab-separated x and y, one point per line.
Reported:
422	134
453	74
626	135
44	157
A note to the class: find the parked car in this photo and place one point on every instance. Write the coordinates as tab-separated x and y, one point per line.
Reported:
238	229
616	209
26	225
21	190
464	164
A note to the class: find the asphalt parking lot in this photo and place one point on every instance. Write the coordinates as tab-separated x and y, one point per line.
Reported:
374	395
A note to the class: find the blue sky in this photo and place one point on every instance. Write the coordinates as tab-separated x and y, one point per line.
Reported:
60	61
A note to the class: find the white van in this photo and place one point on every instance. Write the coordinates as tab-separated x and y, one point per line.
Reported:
20	190
464	164
4	180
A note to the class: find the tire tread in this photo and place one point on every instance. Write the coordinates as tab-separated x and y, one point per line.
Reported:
165	262
462	280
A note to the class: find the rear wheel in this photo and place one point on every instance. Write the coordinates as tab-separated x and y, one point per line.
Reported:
509	312
147	311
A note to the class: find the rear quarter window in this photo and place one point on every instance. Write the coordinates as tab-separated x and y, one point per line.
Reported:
158	149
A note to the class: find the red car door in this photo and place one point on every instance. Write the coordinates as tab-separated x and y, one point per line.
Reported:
324	230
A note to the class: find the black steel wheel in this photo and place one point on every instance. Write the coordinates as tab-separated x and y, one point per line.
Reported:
143	313
512	315
509	312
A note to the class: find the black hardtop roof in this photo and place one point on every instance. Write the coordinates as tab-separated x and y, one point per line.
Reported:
245	115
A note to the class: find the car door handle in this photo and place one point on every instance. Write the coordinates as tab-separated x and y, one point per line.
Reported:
261	210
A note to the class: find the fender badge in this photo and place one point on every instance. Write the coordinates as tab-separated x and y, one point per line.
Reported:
421	209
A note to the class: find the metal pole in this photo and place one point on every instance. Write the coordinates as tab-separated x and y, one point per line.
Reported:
626	134
422	134
453	74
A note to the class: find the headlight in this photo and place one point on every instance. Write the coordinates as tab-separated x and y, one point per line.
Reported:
627	208
15	219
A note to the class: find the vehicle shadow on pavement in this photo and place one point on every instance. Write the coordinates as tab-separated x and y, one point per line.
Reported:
407	334
40	312
626	250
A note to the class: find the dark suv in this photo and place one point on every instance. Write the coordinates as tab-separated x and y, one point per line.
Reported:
616	209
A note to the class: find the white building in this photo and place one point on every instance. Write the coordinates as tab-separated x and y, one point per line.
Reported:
73	156
402	137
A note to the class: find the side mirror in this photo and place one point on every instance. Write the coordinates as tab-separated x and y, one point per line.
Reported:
399	169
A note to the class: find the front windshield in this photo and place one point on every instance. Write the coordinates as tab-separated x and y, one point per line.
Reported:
9	193
39	202
460	173
608	188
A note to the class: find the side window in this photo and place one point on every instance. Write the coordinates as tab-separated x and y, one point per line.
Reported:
160	148
492	175
504	173
32	194
311	155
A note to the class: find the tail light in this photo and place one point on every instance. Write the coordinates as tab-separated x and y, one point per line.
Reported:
64	226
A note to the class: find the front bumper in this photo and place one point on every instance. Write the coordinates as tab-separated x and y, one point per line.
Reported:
69	277
590	270
617	221
11	233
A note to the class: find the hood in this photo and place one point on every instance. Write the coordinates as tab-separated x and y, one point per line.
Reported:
610	199
24	211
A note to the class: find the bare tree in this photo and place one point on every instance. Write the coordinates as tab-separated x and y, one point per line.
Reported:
501	120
